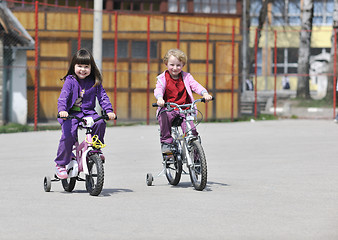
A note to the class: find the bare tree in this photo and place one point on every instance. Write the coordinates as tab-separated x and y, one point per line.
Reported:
303	86
261	21
329	94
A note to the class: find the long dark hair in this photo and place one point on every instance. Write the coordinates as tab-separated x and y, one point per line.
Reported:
83	56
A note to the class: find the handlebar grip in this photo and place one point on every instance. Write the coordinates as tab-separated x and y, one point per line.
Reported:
203	99
58	116
155	105
107	118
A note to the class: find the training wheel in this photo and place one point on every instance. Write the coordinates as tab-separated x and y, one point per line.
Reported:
47	184
149	179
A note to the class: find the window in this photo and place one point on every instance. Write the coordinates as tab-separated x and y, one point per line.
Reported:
283	12
130	5
294	12
178	6
68	3
323	12
278	11
139	49
87	44
108	50
318	51
287	60
255	7
215	6
286	12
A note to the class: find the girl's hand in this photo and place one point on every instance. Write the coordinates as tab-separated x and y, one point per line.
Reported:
111	115
160	102
63	114
207	97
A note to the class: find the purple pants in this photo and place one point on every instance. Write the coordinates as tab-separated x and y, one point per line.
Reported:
166	119
69	137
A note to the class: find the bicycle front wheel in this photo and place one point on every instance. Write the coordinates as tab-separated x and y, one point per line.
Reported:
95	178
198	170
173	170
68	184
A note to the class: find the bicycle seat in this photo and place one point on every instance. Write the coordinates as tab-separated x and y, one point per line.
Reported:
177	121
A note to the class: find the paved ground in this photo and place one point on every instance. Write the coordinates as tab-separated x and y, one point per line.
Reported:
267	180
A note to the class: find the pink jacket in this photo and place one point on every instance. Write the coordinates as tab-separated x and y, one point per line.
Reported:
189	82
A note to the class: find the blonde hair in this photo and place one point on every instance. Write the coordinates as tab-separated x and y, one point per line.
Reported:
180	55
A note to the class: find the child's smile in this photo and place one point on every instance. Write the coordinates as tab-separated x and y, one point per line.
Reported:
82	70
174	67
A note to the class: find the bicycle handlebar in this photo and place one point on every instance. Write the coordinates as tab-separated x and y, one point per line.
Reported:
190	105
104	116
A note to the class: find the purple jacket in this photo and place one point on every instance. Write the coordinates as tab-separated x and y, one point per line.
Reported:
70	92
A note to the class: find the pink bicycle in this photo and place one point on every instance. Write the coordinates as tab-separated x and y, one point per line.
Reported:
88	159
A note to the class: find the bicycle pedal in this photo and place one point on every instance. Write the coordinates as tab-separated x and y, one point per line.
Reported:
168	158
167	154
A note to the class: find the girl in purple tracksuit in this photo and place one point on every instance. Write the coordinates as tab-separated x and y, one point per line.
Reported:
82	85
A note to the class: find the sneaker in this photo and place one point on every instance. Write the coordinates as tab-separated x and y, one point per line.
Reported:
103	158
166	148
61	172
336	119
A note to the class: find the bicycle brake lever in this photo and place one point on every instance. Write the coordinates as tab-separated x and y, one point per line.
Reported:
168	106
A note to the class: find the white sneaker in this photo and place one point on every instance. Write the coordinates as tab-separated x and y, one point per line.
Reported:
61	172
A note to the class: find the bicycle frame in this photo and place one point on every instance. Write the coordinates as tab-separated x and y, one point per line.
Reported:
186	148
88	159
82	149
183	139
186	137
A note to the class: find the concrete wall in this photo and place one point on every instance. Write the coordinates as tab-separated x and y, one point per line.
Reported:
18	91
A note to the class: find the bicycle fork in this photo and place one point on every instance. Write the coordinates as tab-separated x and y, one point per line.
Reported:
185	152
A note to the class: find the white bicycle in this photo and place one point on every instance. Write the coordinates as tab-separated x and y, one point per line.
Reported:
186	149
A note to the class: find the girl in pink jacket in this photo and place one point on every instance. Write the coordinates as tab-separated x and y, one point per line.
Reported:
174	85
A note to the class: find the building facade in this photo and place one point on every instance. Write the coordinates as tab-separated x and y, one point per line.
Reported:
140	32
284	17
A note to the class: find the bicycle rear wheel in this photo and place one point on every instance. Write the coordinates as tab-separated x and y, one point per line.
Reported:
173	170
68	184
198	170
95	178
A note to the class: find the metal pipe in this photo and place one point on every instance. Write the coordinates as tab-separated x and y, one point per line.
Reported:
97	33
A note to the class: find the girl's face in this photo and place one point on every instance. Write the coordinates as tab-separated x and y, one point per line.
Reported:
174	66
82	70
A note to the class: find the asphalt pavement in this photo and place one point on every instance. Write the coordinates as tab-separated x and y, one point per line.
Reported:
266	180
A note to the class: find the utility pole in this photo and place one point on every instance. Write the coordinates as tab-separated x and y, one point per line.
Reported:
97	40
244	46
97	33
